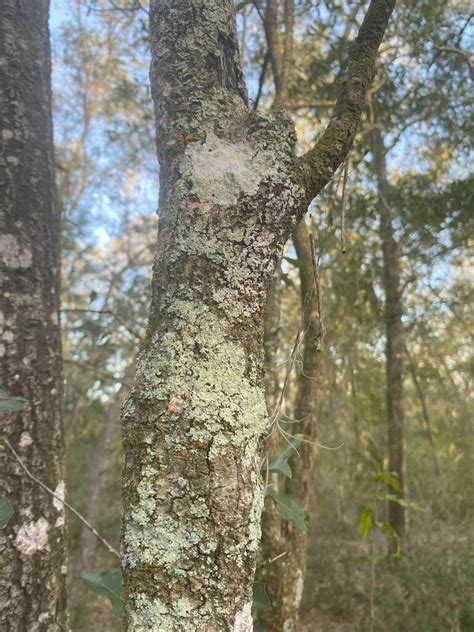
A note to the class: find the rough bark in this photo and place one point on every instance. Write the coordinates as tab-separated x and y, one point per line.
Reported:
231	190
33	561
395	336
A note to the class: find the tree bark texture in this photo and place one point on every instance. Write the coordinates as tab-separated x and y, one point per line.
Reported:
231	190
32	551
395	336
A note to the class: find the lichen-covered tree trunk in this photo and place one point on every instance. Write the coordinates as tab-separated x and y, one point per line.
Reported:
395	337
32	552
231	189
284	578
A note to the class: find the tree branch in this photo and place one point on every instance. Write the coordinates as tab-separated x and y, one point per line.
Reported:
320	163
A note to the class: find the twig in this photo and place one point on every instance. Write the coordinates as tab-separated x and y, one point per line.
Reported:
104	374
317	286
273	559
108	546
343	208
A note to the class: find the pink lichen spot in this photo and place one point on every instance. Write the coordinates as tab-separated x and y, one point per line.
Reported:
243	619
25	440
32	536
12	254
175	405
199	208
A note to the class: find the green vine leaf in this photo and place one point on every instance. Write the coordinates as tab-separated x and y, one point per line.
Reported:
279	463
261	600
10	403
289	509
109	584
6	512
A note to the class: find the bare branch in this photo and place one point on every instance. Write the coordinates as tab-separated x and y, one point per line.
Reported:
320	163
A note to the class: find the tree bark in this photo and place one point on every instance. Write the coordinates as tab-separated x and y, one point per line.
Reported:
395	337
33	567
231	190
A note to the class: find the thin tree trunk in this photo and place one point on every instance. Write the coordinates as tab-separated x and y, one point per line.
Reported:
424	410
286	594
395	336
32	550
91	554
231	190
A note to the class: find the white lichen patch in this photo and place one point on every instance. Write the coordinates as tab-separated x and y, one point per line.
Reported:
243	619
221	171
299	588
25	440
12	254
58	503
32	536
8	336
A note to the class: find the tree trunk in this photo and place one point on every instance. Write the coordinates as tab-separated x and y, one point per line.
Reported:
395	337
33	568
231	190
286	594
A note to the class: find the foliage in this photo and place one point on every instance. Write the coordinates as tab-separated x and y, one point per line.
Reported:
108	583
6	512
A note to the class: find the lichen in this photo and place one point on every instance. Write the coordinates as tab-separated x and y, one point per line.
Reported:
152	615
12	254
221	171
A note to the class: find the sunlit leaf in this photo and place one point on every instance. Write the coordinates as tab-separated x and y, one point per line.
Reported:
366	522
389	478
409	504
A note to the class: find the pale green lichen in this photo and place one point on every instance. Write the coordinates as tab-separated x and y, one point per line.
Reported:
152	615
224	405
221	171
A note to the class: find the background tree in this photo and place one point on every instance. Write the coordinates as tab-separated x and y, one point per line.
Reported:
32	546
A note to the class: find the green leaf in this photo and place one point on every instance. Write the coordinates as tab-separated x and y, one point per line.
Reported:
10	404
366	522
108	583
6	512
403	502
289	509
279	463
388	478
294	262
261	600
